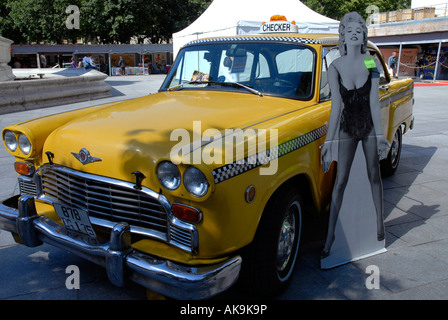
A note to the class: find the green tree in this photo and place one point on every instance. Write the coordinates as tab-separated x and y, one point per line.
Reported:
337	8
41	20
109	21
102	21
7	25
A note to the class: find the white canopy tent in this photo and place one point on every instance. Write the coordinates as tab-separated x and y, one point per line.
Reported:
235	17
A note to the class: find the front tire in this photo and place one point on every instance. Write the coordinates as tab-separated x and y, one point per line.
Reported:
270	260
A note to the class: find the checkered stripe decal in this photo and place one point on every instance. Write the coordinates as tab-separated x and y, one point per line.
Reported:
244	39
234	169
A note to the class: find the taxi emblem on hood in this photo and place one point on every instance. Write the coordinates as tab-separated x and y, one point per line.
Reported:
84	156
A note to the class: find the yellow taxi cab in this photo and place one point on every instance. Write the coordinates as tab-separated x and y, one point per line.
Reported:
212	179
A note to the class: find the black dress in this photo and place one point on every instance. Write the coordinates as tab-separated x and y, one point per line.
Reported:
356	119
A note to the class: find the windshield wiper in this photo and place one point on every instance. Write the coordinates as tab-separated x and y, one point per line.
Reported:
230	84
240	85
189	82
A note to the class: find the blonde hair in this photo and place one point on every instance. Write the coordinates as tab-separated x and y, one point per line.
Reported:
351	17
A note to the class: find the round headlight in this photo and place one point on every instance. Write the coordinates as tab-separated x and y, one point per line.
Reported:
168	175
10	140
195	182
24	144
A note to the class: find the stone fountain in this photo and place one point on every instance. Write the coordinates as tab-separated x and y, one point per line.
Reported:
25	89
5	57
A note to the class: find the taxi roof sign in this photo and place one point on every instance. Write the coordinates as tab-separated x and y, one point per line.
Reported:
279	24
278	17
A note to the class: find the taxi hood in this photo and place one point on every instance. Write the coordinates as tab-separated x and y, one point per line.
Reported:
135	135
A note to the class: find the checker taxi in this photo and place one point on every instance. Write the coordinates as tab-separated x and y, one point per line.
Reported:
214	178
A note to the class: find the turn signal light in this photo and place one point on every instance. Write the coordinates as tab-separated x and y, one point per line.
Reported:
23	168
186	213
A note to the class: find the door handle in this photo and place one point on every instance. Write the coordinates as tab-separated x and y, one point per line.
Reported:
384	87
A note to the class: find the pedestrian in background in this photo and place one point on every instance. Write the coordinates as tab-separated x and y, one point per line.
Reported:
392	63
88	63
122	66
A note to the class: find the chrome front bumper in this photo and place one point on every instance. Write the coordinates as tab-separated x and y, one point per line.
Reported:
117	256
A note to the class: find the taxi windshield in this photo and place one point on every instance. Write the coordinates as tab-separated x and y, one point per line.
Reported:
277	69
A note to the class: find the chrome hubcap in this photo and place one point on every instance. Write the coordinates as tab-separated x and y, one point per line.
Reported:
395	148
286	249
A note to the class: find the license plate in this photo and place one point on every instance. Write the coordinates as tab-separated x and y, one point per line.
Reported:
75	219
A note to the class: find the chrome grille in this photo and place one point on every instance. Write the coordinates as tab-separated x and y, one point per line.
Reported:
27	186
105	200
182	236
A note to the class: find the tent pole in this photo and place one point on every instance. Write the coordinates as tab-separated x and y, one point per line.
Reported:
399	59
437	62
110	65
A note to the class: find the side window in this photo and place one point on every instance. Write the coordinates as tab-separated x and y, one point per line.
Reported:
329	55
246	68
262	70
235	65
241	65
295	60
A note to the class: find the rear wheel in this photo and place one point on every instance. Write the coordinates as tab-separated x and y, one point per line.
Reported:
390	164
269	262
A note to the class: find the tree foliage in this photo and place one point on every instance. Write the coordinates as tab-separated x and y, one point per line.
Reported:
101	21
337	8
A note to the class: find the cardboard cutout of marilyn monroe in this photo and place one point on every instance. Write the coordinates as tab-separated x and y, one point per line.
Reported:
356	226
